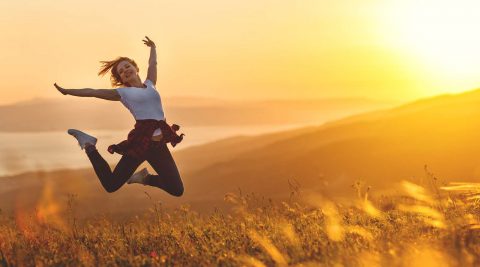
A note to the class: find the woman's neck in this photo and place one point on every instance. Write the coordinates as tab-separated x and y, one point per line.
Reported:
135	83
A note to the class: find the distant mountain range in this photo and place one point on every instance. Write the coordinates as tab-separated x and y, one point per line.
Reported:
379	148
43	114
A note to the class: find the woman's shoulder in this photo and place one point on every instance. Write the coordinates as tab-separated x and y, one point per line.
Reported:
148	82
122	91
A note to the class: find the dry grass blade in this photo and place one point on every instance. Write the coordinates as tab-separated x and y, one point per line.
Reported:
370	209
250	261
417	192
269	248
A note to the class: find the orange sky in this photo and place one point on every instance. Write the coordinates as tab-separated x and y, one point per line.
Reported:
379	49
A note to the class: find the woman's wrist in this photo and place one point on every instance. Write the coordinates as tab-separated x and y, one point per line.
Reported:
153	56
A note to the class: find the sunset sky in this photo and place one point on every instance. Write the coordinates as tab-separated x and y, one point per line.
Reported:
381	49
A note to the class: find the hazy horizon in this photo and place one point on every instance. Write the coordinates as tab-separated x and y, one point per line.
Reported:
235	100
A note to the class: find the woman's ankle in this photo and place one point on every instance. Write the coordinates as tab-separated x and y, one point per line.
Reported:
89	147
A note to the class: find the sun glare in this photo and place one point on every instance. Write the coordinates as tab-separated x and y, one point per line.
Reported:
442	35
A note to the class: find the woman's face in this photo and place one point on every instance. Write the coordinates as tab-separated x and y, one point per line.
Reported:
126	71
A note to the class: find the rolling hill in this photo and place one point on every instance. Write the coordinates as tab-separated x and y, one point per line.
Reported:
379	148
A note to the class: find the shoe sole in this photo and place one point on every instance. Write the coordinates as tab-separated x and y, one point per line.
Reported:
144	170
75	132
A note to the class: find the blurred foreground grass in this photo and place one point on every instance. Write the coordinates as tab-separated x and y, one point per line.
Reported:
423	226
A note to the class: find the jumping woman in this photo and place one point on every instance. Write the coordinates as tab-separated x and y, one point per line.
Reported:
147	141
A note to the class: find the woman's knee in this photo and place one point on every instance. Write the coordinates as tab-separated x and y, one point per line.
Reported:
111	186
111	189
178	192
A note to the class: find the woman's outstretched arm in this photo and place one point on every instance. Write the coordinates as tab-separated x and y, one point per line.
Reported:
107	94
152	61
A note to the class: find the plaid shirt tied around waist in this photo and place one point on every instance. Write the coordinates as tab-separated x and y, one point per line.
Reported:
140	138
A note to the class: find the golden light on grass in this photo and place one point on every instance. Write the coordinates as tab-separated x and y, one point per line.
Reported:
21	218
425	257
367	206
423	210
239	204
476	197
335	230
369	259
435	223
48	209
430	215
290	233
267	237
356	229
333	221
417	192
250	261
470	191
268	246
87	258
461	186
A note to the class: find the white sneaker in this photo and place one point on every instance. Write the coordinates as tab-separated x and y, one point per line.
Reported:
82	137
138	177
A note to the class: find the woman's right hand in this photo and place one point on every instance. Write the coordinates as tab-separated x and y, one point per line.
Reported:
149	42
60	89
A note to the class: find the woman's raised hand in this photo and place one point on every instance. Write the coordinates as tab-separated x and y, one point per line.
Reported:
60	89
149	42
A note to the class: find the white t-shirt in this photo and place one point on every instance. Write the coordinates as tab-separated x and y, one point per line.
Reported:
143	103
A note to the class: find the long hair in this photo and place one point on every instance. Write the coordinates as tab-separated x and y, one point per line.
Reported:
111	65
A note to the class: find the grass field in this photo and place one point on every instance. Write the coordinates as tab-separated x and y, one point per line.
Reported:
423	226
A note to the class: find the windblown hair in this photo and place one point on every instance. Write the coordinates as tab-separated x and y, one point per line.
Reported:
115	79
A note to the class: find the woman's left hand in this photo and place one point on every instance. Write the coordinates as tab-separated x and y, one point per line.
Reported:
149	42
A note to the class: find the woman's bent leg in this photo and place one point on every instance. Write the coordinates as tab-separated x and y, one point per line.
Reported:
112	181
167	178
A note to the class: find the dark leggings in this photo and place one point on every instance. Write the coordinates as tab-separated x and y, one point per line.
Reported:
167	178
